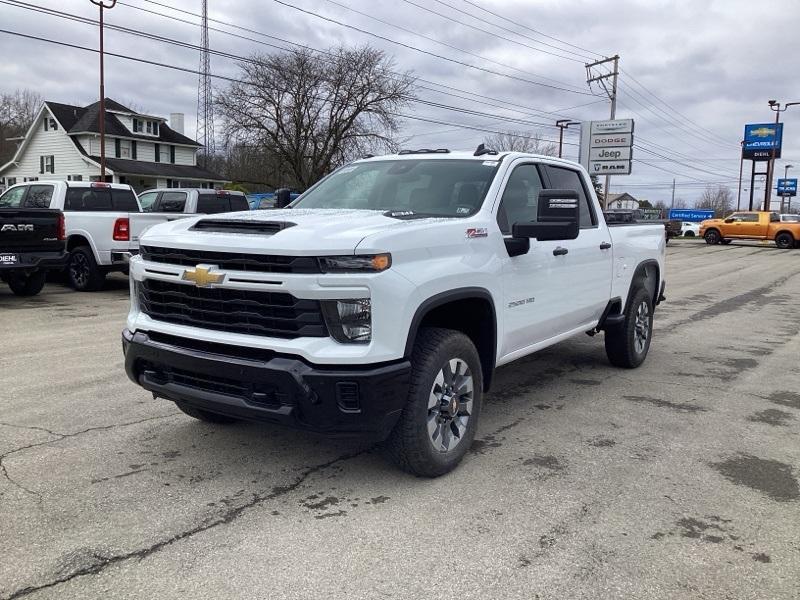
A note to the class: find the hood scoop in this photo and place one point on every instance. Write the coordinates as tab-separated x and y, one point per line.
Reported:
250	227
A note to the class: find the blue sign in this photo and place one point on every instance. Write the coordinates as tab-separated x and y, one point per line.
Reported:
761	140
690	214
787	187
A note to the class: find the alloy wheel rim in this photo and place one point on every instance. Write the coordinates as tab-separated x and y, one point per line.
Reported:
641	328
79	269
450	405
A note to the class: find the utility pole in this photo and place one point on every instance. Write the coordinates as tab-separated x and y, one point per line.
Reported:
591	77
673	194
101	118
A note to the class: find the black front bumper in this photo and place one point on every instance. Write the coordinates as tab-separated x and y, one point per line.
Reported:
36	261
350	400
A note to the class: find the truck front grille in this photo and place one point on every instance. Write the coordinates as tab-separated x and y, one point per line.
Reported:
272	314
234	261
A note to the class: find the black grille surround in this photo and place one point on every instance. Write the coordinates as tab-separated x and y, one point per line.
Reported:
271	314
234	261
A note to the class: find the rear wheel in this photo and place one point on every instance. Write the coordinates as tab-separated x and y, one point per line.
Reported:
689	233
712	236
438	423
204	415
83	273
784	240
627	344
27	285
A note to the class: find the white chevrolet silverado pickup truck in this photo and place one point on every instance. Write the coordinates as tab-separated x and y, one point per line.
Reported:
384	298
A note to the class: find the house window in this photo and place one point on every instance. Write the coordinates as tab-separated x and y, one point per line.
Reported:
172	154
137	125
47	164
125	149
118	148
74	177
26	179
12	181
157	152
155	127
50	124
149	127
133	149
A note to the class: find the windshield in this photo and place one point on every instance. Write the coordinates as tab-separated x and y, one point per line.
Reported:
446	188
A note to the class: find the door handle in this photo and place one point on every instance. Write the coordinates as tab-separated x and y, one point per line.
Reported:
560	251
605	246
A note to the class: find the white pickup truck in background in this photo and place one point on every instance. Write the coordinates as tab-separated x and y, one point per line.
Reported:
382	300
98	227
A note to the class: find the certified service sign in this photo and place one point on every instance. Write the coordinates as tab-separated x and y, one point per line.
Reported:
607	147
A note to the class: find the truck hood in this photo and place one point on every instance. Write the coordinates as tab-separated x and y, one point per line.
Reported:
708	222
297	232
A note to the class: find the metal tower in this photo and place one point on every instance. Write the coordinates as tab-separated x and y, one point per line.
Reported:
205	100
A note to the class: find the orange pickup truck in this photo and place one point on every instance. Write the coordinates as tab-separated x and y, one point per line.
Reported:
745	225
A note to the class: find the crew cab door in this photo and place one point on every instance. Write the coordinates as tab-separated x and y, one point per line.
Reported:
557	286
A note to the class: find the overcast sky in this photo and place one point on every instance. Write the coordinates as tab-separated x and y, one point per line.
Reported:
706	68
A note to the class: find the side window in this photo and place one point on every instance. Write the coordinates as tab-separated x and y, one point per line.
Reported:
750	218
124	200
519	197
173	202
239	203
773	217
211	204
147	200
39	196
88	199
567	179
13	197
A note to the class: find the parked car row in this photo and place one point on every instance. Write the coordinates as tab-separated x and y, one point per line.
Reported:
92	227
752	225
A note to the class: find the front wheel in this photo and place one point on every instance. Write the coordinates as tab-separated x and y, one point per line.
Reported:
712	237
689	233
438	423
627	344
27	285
784	240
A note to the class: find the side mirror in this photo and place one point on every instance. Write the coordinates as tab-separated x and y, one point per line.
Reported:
558	217
729	220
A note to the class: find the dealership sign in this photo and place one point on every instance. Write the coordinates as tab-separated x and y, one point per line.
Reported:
761	140
686	214
607	146
787	187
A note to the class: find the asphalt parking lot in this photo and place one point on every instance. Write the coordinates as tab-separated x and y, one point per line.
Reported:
675	480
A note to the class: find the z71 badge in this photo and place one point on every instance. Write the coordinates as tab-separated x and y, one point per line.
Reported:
477	232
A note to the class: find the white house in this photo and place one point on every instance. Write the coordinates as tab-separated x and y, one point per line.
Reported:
141	150
624	200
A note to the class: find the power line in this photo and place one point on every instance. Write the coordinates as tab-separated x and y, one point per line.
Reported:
494	35
486	10
428	52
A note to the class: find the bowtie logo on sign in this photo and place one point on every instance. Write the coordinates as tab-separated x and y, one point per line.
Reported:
607	146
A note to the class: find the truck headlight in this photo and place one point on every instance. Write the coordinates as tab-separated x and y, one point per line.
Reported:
349	321
373	263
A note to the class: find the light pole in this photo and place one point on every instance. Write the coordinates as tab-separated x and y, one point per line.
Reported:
562	124
788	198
107	4
775	106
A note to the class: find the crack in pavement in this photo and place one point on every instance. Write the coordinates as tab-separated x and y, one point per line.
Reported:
103	562
58	438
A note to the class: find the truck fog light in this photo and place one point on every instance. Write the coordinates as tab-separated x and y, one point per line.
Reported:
349	320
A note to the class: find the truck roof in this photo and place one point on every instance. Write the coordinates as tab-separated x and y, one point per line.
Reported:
443	154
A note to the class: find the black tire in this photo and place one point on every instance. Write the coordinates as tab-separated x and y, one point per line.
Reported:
725	241
712	237
689	233
784	240
622	348
411	444
83	274
29	285
206	416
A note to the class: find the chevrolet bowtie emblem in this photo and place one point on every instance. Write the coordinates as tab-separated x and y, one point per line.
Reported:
202	276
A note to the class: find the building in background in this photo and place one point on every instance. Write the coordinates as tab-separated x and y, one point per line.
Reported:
141	150
624	200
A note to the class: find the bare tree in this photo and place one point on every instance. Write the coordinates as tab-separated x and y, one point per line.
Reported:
521	141
17	111
717	198
312	113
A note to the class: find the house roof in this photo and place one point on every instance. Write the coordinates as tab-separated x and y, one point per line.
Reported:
614	197
122	166
76	119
